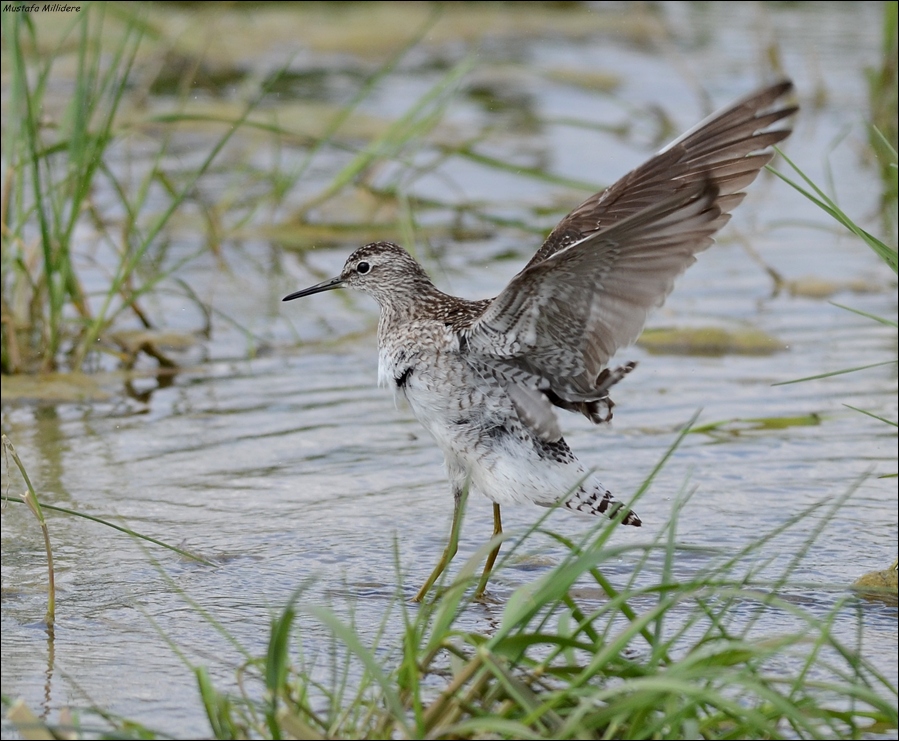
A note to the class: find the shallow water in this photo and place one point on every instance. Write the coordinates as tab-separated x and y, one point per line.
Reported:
279	458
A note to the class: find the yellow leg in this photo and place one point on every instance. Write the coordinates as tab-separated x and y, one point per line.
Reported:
450	549
491	559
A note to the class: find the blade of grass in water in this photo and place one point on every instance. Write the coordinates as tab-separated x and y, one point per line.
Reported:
121	529
34	505
825	203
421	117
835	373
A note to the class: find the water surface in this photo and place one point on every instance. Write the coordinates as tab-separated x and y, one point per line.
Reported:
274	453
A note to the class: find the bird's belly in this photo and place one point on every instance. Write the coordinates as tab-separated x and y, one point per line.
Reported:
450	403
516	474
483	441
512	471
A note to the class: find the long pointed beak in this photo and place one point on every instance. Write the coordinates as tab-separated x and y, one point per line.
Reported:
317	288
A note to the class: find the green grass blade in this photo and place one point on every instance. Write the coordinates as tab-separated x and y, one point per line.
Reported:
836	373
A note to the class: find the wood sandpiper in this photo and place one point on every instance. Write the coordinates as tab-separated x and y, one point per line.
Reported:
483	376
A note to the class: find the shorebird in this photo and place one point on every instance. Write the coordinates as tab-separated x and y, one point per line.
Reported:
483	377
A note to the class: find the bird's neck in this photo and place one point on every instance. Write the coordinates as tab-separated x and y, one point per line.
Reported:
413	299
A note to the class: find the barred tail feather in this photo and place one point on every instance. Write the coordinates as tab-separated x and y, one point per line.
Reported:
599	501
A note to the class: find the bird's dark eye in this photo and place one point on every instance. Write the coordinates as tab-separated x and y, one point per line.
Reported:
363	267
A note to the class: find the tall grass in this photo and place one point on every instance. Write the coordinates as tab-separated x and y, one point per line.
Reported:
53	162
662	656
61	178
883	94
887	253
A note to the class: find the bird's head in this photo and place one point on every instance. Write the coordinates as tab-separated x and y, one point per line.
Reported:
383	270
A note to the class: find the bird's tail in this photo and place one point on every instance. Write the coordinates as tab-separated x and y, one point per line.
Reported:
598	501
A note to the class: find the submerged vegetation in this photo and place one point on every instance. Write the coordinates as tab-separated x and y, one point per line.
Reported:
90	246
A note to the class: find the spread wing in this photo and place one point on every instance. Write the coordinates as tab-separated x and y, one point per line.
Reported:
589	289
725	147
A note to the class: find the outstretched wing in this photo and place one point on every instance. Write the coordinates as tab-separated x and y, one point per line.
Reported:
588	291
720	147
